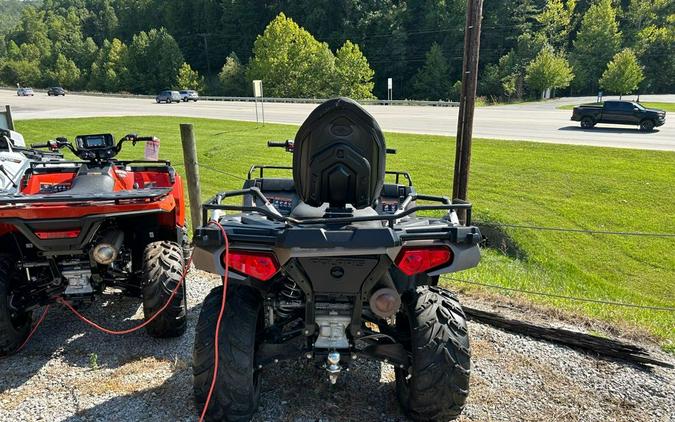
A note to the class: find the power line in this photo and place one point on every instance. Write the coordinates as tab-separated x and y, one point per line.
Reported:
557	296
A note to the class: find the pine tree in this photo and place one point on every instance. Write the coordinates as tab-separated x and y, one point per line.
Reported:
597	41
353	75
432	81
623	74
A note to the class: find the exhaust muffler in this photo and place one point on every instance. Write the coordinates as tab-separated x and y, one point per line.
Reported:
108	249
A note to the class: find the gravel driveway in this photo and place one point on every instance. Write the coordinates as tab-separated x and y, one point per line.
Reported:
72	373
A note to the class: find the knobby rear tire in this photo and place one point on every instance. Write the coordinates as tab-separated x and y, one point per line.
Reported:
437	384
163	268
15	325
237	390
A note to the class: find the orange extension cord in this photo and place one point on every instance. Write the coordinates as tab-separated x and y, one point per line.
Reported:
63	302
220	317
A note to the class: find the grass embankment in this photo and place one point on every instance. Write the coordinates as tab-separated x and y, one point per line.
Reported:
661	106
511	182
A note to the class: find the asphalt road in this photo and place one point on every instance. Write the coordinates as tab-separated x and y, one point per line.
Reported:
540	122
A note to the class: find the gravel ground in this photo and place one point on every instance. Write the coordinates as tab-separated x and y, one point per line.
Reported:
72	373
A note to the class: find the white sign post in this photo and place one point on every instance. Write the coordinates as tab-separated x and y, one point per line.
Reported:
390	86
258	93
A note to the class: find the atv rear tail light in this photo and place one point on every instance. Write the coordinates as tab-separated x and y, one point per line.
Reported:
260	265
415	260
57	234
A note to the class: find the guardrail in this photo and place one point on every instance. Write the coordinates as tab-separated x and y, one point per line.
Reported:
439	103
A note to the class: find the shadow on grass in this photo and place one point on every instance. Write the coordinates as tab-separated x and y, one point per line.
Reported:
495	237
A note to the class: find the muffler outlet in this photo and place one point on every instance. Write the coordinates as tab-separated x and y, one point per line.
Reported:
107	251
385	302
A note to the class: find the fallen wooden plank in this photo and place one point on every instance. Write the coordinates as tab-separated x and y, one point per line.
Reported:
600	345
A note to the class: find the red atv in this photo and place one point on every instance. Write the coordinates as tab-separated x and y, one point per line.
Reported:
74	228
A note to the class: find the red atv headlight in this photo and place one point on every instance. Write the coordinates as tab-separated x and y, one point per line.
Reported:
414	260
260	265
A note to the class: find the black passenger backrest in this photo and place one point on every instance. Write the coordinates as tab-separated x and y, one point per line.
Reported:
339	156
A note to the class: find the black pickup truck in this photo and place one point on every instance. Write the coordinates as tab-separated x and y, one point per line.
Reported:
619	112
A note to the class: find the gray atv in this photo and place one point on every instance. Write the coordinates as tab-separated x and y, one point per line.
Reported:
334	265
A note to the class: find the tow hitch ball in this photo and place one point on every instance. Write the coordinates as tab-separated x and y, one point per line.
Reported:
333	366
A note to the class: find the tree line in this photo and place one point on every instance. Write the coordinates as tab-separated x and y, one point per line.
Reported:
322	48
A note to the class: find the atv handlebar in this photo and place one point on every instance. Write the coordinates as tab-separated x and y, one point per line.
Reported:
287	144
93	154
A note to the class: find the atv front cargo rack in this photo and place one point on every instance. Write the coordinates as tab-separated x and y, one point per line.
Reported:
272	213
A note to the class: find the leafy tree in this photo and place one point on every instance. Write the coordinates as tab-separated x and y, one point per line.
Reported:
511	67
291	62
556	21
188	78
353	75
655	48
23	72
10	13
232	77
109	71
597	41
623	74
153	60
64	72
548	70
432	81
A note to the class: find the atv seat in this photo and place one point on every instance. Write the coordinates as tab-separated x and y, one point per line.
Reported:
88	181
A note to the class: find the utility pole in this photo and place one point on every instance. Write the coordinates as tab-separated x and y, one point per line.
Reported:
467	100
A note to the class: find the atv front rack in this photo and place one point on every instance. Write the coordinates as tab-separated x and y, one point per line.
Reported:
269	211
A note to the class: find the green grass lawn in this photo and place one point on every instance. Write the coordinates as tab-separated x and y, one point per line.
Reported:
511	182
661	106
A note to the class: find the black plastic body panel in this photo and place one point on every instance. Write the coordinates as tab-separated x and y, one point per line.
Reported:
337	275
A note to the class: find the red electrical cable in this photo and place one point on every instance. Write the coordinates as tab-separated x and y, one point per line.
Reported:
220	317
186	269
34	329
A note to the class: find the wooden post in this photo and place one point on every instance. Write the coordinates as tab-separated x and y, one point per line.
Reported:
8	116
187	136
467	100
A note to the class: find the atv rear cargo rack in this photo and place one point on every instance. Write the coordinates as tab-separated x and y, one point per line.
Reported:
151	195
261	172
272	213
